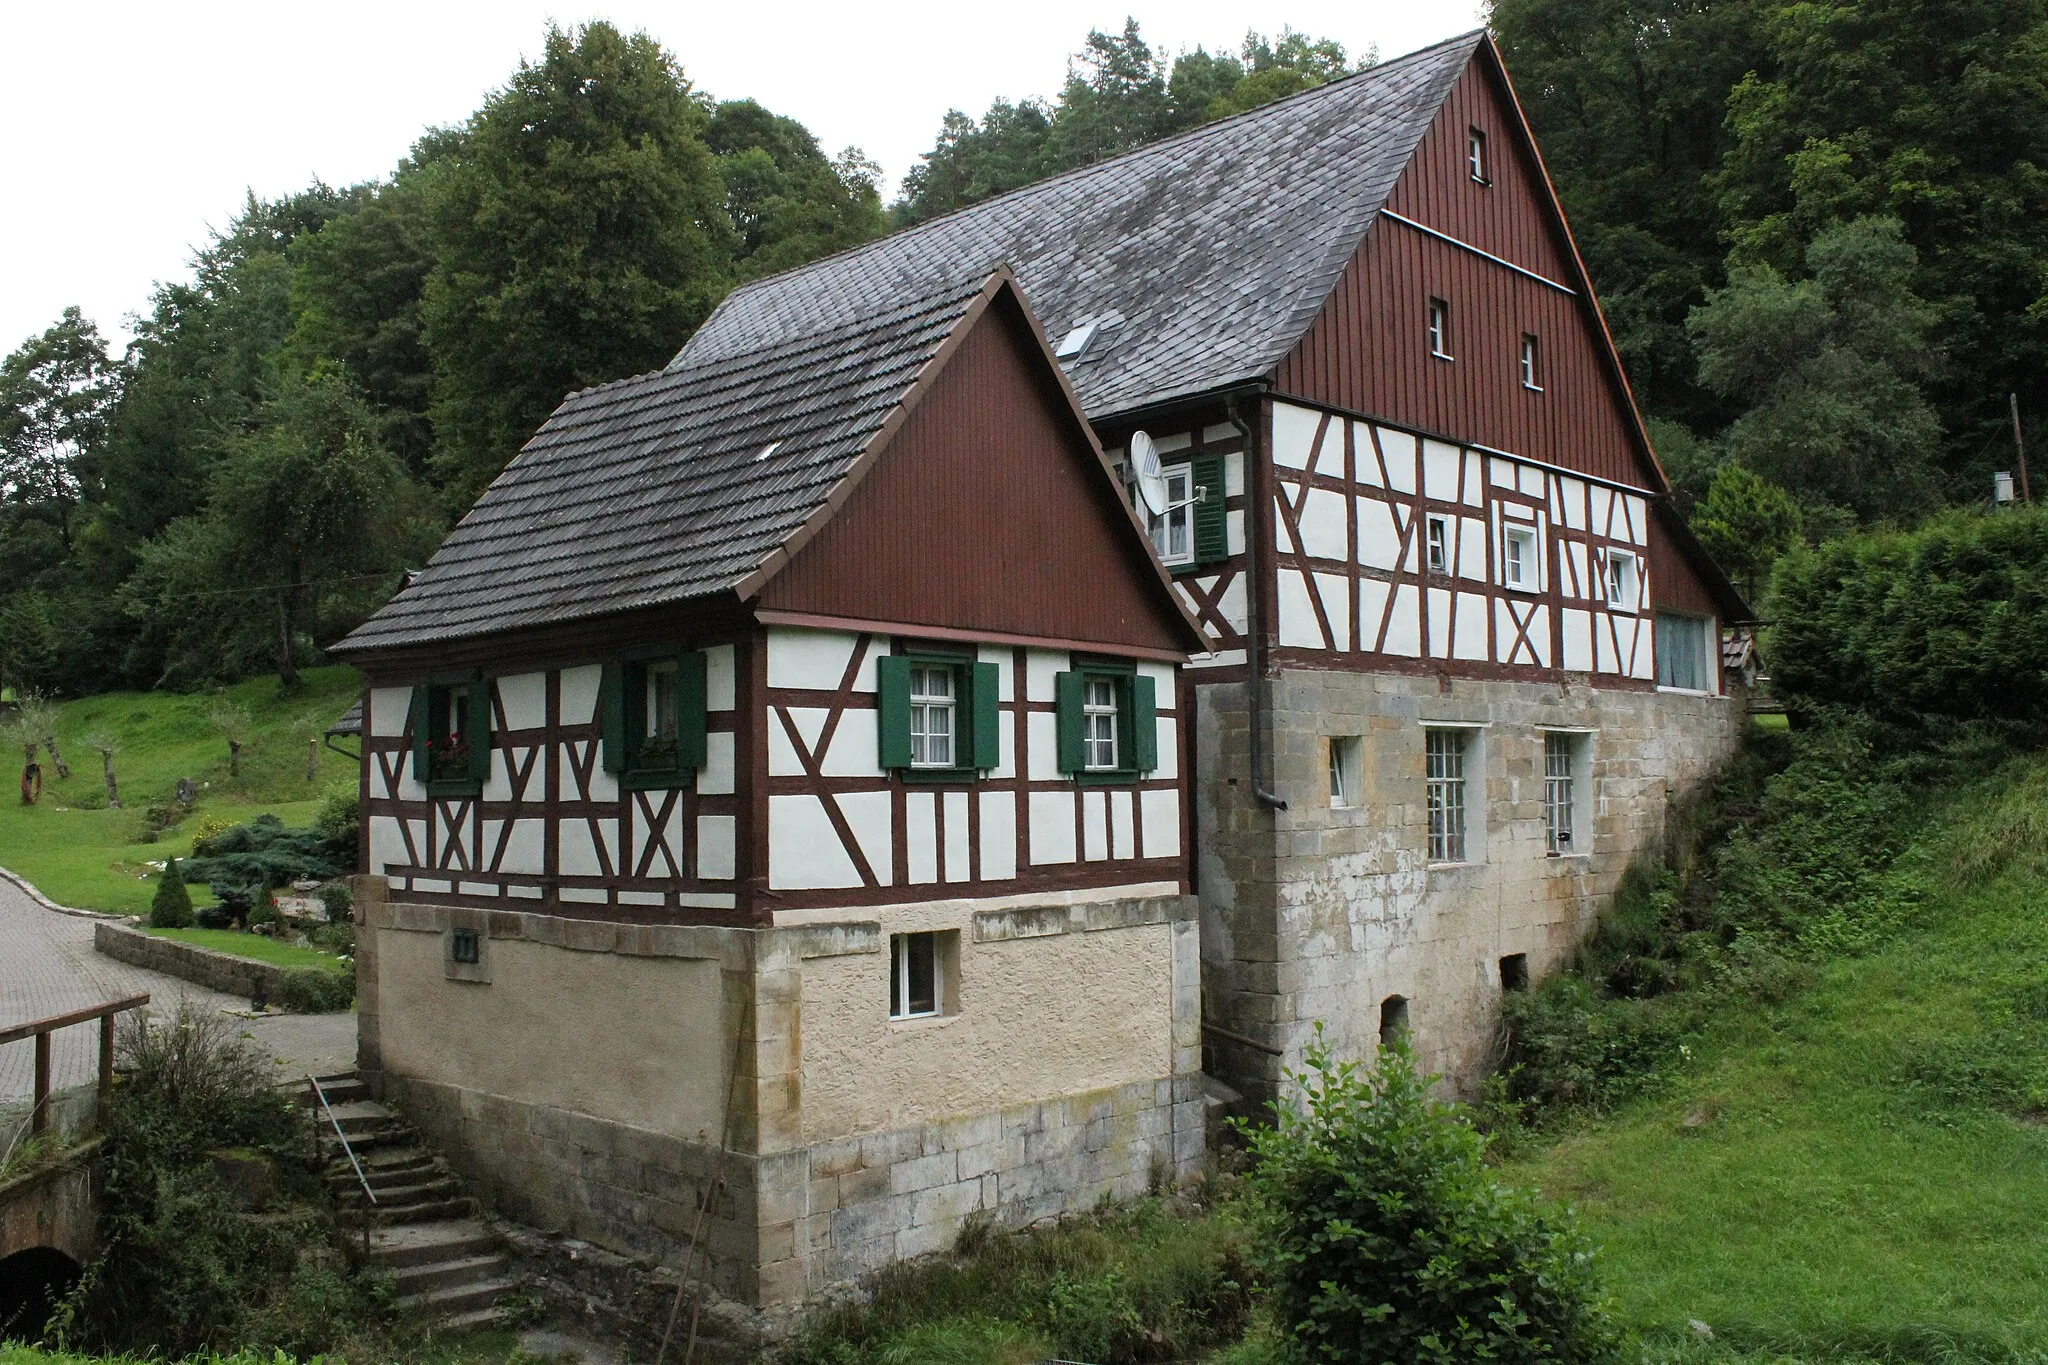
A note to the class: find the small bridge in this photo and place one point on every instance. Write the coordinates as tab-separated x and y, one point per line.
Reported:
47	1213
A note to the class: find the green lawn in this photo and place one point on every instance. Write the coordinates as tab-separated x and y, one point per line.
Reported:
260	947
79	853
1861	1169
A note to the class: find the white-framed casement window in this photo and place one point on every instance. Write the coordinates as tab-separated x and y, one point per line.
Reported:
1532	374
1624	581
1683	658
1518	559
1444	753
1440	329
1347	770
1173	535
933	712
917	975
1438	532
1475	155
1098	725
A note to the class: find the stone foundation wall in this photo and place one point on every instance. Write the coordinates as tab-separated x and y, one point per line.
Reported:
1319	913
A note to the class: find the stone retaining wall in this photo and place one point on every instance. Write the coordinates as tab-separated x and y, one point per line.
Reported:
222	972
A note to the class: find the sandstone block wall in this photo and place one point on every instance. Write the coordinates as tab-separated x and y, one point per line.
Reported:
1320	913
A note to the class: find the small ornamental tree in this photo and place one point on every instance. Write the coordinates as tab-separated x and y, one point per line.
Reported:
1384	1237
171	907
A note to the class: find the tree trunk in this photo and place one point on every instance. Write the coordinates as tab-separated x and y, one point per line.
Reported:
56	759
312	760
287	666
113	792
234	758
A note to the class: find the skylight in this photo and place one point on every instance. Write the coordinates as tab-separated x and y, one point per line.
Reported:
1076	341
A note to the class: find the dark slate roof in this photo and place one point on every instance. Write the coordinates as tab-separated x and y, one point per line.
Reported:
653	489
351	722
1206	256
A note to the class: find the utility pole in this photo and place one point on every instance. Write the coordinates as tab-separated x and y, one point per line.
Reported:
2019	446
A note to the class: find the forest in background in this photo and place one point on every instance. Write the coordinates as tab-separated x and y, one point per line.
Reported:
1818	230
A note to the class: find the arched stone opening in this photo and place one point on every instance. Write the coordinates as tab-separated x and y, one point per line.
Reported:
32	1282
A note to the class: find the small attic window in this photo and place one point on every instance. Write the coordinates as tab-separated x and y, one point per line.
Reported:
1076	341
768	450
1475	156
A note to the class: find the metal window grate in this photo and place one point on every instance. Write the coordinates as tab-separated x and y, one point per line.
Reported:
1445	751
1557	792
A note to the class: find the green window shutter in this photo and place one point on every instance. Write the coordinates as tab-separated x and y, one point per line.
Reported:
422	730
611	707
479	735
1068	693
984	692
691	702
1144	724
892	680
1212	520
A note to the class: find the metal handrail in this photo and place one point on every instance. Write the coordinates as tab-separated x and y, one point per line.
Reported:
320	1096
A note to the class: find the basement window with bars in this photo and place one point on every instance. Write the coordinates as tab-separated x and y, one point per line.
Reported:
654	710
1108	723
1560	792
451	736
1444	752
941	717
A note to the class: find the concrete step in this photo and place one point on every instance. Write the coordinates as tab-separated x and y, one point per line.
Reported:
400	1196
429	1212
367	1138
402	1245
464	1298
345	1089
474	1320
417	1169
421	1279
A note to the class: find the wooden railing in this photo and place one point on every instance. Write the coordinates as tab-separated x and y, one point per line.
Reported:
41	1029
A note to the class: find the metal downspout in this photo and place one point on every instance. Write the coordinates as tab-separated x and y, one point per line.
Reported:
1255	636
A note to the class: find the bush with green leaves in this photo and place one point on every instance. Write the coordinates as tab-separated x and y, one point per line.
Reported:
315	990
171	907
336	901
1381	1234
339	822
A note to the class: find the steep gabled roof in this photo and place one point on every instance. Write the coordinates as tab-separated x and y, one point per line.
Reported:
656	489
1205	256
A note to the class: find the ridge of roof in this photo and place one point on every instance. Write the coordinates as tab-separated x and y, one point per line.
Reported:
1470	37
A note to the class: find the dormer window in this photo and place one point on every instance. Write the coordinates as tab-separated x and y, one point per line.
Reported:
1475	155
1440	329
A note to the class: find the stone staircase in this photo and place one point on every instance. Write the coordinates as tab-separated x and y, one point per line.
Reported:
424	1231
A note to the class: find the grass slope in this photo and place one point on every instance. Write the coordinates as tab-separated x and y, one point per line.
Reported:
256	946
1862	1169
80	853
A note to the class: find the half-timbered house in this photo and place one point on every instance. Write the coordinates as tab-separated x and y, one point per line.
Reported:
819	697
782	758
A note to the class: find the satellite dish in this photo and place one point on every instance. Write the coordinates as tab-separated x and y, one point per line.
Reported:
1152	490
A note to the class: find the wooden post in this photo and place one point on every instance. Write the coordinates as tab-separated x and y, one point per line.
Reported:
2019	447
39	1122
106	1058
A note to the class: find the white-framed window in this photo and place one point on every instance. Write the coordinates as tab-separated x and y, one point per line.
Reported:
1624	581
932	715
1440	329
1438	531
917	968
1098	725
1444	755
1347	770
1683	660
1475	155
1518	562
664	683
1173	535
1560	763
1532	375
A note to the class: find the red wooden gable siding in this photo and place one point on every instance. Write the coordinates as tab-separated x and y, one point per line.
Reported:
1673	582
987	511
1368	350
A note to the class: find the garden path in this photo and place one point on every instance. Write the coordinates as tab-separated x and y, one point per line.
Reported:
48	966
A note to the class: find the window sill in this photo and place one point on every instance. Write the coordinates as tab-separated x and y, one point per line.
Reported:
922	1021
1687	691
1532	388
1453	867
656	779
1527	589
1439	355
1577	856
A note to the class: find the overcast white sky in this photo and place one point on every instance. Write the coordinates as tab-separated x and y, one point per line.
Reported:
134	127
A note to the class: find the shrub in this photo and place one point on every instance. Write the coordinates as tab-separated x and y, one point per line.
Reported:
171	906
1570	1047
335	899
338	821
1382	1235
315	990
261	854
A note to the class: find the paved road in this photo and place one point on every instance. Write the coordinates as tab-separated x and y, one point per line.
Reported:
48	966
